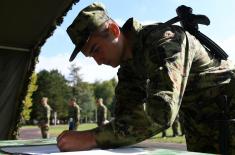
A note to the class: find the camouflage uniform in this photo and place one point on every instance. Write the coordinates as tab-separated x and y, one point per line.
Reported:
181	123
177	65
74	112
101	115
44	114
182	76
175	126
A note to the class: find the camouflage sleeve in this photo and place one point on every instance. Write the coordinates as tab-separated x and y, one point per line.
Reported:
78	113
169	63
130	119
167	71
105	113
48	109
48	113
102	114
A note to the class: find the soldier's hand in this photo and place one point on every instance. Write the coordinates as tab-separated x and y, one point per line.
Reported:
76	140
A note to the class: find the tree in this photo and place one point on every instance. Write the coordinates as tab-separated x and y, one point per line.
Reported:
86	100
28	98
74	78
83	92
54	86
106	90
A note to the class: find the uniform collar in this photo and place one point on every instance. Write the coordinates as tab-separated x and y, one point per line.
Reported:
131	30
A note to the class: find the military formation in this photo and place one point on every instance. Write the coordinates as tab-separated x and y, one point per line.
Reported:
74	114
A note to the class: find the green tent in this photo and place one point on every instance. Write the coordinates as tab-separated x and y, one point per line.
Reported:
25	26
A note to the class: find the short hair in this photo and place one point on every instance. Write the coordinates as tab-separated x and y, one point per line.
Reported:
100	100
73	99
44	99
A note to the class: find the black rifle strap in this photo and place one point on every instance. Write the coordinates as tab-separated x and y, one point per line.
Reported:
189	22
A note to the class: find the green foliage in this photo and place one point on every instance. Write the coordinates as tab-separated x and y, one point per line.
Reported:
83	92
106	90
86	101
28	100
54	86
74	78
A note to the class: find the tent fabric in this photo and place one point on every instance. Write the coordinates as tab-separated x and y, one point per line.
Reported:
24	29
12	67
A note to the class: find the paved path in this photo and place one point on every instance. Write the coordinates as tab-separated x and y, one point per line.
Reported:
30	133
150	144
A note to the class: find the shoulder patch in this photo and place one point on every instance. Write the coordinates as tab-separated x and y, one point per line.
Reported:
169	34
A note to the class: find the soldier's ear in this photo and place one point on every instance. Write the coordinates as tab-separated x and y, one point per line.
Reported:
114	29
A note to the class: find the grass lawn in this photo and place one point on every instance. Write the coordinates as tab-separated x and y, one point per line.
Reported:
168	138
56	130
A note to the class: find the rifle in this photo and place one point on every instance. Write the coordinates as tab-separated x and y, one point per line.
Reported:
189	22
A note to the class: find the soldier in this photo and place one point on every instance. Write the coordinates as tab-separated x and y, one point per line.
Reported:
101	112
175	127
182	75
44	114
74	113
181	125
164	134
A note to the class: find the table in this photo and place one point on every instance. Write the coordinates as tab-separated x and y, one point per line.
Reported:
48	146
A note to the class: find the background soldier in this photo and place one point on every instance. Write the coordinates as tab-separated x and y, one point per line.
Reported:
175	127
163	133
44	114
101	112
181	122
73	114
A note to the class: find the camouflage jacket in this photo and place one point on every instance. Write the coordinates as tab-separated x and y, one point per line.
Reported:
44	113
168	63
101	114
74	112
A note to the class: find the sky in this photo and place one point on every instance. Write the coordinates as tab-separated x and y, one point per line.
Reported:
56	51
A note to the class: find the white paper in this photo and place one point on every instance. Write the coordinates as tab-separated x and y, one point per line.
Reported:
40	149
119	151
53	150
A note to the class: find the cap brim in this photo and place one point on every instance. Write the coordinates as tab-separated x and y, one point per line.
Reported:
74	54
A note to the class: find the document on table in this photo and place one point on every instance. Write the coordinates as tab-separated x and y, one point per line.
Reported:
53	150
40	149
49	147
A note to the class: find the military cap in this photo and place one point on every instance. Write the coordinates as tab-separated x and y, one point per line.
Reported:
86	22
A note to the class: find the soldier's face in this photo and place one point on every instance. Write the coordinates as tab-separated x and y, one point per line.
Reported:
43	101
97	103
71	103
104	48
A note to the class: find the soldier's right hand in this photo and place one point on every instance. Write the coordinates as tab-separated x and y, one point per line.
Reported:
76	140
